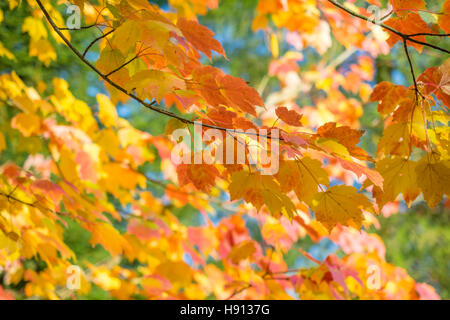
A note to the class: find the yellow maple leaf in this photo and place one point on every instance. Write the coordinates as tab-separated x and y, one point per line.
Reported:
396	140
177	272
107	139
155	84
333	147
242	251
43	50
126	36
68	166
260	190
119	180
302	176
106	111
35	28
108	237
13	4
433	177
27	123
340	205
399	178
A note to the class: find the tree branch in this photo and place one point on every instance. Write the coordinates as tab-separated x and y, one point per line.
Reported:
97	39
404	36
33	205
127	63
150	106
405	46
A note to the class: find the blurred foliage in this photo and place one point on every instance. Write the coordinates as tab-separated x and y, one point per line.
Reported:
419	241
83	83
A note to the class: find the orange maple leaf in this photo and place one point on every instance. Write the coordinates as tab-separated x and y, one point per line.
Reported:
200	37
291	117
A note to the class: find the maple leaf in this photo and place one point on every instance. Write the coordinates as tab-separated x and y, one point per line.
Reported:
443	19
220	116
6	53
48	189
433	178
155	84
108	141
260	190
200	37
126	36
340	205
202	176
28	124
389	95
192	8
177	272
43	50
242	251
107	111
244	124
240	94
399	178
68	166
35	28
426	292
437	81
80	3
396	140
207	86
224	90
360	170
275	234
172	125
291	117
108	237
402	7
118	179
304	176
346	136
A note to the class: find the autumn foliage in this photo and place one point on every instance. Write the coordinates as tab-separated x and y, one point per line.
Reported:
86	165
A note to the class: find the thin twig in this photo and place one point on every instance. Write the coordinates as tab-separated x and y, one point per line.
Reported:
97	39
400	34
128	62
83	27
150	106
429	34
405	46
122	66
33	205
